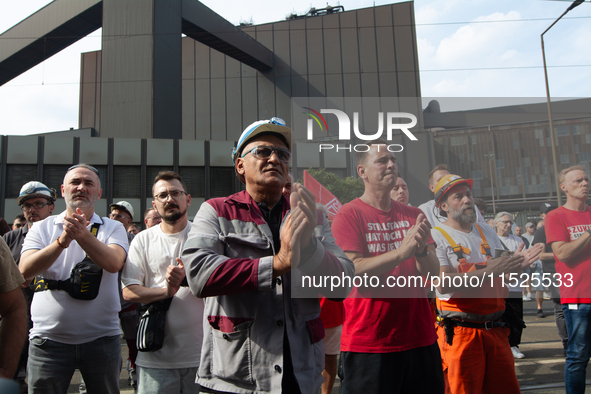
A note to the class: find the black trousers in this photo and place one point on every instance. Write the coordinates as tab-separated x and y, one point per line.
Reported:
413	371
515	299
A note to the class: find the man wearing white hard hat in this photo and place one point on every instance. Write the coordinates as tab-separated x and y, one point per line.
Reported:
37	202
241	255
122	212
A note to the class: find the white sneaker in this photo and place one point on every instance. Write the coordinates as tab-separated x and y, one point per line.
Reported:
516	352
526	298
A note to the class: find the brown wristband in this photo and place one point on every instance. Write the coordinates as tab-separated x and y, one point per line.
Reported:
59	243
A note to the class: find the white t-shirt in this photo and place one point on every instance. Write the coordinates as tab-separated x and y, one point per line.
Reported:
530	238
433	216
471	241
56	315
150	254
512	243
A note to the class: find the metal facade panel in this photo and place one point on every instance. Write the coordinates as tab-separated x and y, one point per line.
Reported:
266	81
334	159
307	155
281	48
266	96
405	54
299	58
191	153
11	210
249	95
386	52
202	92
250	30
22	149
127	152
350	51
233	99
58	150
167	78
188	88
297	47
221	153
218	96
264	35
283	98
315	51
127	69
99	90
367	53
88	89
159	152
94	151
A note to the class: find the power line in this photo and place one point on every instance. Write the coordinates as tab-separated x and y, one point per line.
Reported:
113	36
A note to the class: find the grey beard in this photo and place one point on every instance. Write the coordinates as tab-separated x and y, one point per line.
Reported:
463	217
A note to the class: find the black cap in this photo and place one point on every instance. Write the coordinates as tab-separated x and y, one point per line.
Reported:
547	207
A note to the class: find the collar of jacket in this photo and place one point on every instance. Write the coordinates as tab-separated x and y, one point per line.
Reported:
244	200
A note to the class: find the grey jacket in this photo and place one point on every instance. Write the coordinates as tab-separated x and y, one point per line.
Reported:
229	261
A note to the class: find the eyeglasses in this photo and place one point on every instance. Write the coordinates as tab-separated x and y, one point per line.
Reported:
263	152
175	194
81	165
36	205
506	221
155	218
119	217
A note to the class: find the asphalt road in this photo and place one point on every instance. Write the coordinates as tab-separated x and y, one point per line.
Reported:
541	371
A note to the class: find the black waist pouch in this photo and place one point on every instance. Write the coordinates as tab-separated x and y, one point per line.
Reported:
150	330
84	282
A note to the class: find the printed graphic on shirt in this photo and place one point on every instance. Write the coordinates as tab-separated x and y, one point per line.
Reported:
384	237
576	231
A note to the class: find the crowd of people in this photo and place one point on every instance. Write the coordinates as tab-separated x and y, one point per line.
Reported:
215	305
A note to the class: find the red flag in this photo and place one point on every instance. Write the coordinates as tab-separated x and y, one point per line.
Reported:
323	196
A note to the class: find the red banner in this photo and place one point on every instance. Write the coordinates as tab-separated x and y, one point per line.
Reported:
323	196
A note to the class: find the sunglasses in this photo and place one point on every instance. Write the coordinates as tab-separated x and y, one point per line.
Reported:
265	152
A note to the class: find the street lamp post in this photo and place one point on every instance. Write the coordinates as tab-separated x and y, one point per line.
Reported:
492	186
552	141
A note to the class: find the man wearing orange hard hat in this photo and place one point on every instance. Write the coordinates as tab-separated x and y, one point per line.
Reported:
472	328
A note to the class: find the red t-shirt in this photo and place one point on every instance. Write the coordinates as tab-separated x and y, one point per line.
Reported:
382	325
332	313
565	225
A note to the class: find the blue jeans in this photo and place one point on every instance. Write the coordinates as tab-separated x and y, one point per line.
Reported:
52	364
167	381
578	349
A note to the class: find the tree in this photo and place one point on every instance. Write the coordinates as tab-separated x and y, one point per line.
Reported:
345	189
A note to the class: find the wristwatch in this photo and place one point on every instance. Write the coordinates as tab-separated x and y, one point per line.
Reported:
424	252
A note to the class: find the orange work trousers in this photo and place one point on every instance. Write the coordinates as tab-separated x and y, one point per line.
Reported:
479	361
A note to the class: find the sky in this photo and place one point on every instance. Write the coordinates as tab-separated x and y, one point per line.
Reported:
467	48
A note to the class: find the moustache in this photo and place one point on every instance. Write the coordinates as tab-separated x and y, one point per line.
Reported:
78	194
171	205
468	206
